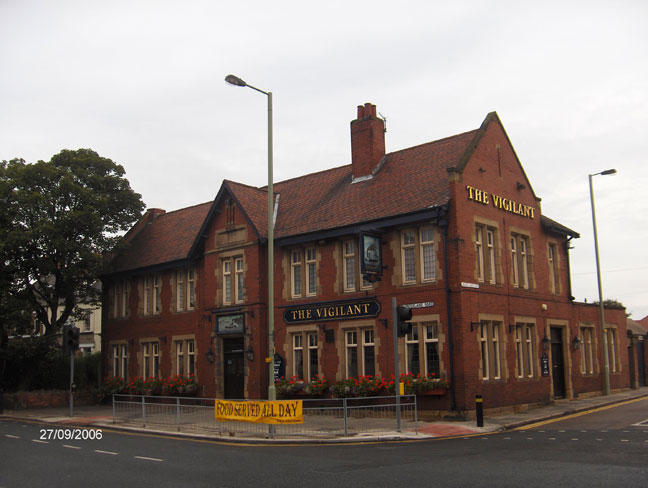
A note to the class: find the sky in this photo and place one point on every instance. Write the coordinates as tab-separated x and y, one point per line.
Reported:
142	83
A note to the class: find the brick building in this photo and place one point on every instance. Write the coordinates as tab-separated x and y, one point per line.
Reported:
452	228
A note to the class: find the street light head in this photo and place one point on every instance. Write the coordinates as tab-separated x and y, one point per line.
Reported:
608	172
235	80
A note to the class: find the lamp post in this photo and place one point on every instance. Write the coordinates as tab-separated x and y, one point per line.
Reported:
606	360
272	392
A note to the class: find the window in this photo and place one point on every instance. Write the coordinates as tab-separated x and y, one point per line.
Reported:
368	353
303	278
587	350
121	293
233	288
428	255
239	279
313	362
351	353
227	282
524	334
180	290
351	267
298	356
432	360
408	251
157	303
87	321
360	352
151	359
185	357
489	338
120	360
520	260
554	274
349	258
305	358
311	272
610	335
147	295
418	255
296	273
191	281
412	351
485	252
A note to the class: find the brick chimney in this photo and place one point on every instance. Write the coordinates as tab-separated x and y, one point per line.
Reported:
367	141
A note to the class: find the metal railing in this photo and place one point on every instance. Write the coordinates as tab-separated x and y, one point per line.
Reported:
326	417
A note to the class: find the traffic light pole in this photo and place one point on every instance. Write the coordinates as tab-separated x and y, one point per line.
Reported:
71	382
396	372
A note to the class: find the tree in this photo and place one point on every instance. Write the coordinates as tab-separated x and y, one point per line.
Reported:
58	221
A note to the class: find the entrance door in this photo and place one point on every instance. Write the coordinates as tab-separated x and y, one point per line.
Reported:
233	368
557	363
641	365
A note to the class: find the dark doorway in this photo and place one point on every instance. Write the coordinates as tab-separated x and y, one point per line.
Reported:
641	362
233	368
557	363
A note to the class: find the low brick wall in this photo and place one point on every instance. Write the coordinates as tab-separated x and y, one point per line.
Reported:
43	399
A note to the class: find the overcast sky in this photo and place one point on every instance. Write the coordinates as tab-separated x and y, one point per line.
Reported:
141	82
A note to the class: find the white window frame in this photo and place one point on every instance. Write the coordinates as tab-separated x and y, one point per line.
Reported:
412	338
180	357
490	336
239	270
124	360
298	351
157	294
490	245
296	273
311	271
313	350
351	342
146	358
191	289
408	249
428	270
479	251
427	339
612	348
350	264
147	295
227	282
180	290
368	342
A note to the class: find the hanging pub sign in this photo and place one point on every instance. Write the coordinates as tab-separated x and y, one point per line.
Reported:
370	257
230	324
338	310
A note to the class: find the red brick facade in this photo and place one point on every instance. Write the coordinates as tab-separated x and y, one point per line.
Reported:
461	235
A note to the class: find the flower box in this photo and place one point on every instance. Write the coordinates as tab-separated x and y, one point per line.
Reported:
434	392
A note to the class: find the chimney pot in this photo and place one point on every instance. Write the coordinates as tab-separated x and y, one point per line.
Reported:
367	141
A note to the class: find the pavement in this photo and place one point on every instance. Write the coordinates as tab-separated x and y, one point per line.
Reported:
101	417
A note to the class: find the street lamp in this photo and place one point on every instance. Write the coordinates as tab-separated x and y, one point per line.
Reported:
606	360
272	392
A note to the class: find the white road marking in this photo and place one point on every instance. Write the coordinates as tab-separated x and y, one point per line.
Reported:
552	438
39	441
574	439
625	440
71	447
106	452
12	436
148	458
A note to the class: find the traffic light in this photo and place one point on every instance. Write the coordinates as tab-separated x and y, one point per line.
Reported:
70	339
404	314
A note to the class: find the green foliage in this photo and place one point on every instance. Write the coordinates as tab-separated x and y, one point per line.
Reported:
59	220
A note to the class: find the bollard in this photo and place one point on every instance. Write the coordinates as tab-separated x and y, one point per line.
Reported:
479	410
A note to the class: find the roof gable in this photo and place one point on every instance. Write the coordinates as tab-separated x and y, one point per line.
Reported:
169	237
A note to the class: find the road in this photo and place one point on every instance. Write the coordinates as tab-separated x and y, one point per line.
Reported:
605	448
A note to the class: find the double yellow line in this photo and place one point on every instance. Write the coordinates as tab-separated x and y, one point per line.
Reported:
579	414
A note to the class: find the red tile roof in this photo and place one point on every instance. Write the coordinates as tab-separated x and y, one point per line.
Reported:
409	180
168	238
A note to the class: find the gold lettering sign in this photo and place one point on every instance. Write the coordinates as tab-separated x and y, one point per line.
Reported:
332	311
502	203
278	412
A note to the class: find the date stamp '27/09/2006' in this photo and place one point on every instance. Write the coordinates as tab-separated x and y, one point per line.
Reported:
71	434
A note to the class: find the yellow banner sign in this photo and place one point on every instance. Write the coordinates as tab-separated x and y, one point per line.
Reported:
278	412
